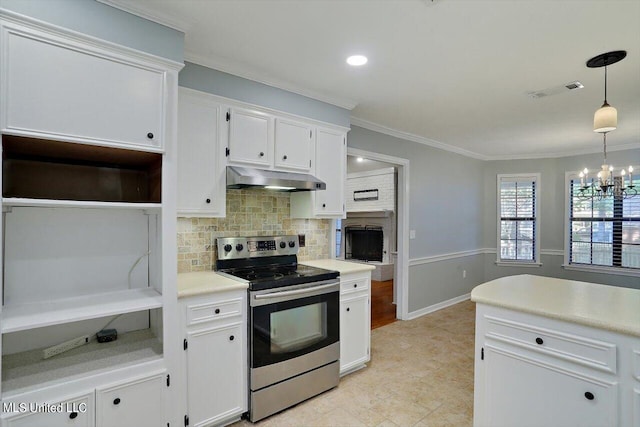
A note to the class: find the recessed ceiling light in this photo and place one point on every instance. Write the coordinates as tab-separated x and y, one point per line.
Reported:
357	60
360	159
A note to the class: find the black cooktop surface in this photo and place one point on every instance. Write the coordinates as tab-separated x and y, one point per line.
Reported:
278	275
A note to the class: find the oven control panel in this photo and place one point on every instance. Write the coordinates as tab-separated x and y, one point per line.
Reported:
258	246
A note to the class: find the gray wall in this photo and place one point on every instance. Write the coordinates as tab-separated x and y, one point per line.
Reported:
446	193
205	79
446	203
104	22
552	205
452	207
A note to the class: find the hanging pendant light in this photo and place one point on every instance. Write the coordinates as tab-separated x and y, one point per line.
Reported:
606	183
606	117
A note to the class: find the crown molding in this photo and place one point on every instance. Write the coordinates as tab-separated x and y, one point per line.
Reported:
143	12
415	138
442	146
559	154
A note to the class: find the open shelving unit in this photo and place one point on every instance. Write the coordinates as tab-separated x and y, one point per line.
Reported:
106	194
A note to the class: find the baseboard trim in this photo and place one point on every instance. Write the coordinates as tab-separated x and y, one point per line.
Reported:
438	306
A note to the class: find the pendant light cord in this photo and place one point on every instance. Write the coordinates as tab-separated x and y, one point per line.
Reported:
605	84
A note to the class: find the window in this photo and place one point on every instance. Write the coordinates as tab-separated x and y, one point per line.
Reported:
603	233
518	218
338	236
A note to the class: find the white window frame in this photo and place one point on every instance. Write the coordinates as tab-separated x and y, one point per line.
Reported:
568	176
536	262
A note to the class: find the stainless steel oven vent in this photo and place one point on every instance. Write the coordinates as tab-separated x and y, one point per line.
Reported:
239	177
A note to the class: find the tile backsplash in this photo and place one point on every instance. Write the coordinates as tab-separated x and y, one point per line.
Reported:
249	213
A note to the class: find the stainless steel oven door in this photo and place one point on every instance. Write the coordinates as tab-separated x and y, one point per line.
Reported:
293	330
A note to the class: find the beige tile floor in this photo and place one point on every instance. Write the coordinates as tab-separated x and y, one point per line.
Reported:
420	374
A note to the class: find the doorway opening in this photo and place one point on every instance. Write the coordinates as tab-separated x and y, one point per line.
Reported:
372	231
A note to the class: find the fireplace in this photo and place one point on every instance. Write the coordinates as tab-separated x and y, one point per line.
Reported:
364	243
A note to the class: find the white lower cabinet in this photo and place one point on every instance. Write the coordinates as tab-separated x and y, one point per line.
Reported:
527	392
355	321
135	403
75	412
215	358
536	371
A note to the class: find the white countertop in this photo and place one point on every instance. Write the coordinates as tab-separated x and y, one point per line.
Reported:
206	282
344	267
612	308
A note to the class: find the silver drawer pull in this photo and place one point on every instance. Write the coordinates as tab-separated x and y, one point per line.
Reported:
295	292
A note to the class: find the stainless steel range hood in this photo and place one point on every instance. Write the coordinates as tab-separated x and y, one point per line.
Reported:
240	177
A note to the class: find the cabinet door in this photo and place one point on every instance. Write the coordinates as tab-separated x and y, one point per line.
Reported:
293	145
250	138
77	412
216	367
201	175
135	403
330	168
91	98
354	331
525	392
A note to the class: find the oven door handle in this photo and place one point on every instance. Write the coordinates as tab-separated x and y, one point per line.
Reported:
308	290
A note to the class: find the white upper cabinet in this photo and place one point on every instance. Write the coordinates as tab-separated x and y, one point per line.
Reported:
56	88
201	172
331	160
293	145
330	167
250	138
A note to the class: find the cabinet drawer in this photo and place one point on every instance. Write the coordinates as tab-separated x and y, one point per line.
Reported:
573	348
216	310
354	285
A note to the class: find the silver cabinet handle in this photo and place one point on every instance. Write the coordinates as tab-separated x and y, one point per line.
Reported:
295	292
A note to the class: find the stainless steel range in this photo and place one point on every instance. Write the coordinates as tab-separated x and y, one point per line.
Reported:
294	324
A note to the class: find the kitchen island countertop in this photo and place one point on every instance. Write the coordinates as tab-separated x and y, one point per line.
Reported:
206	282
344	267
607	307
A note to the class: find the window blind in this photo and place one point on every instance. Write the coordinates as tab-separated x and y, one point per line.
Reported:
604	232
517	218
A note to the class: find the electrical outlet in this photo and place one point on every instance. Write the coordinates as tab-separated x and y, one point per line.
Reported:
65	346
301	240
412	234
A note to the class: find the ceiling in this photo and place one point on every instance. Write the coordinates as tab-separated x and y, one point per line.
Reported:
449	73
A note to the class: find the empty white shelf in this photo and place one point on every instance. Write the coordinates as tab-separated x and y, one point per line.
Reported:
39	314
49	203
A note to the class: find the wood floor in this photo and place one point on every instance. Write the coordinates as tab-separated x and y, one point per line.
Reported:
383	311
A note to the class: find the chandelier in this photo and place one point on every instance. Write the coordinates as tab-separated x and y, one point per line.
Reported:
605	119
606	184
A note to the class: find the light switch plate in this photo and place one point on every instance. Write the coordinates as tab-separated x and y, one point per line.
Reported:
412	234
301	240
